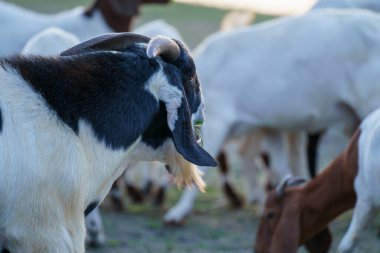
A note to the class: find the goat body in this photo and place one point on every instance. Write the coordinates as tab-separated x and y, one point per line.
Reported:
71	124
265	76
365	4
349	181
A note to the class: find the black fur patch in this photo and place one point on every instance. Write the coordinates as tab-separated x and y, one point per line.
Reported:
189	78
91	207
105	89
158	131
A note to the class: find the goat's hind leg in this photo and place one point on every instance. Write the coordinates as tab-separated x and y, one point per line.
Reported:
363	212
234	198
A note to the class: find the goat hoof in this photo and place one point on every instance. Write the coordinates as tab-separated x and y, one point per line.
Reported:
96	241
174	220
175	223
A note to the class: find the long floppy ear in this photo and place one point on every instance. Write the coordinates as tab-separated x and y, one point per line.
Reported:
184	138
320	243
110	41
287	234
178	113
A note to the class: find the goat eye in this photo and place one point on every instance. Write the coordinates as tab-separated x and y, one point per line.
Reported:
192	81
270	215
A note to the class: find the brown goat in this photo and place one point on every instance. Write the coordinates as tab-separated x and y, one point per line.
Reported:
119	14
300	215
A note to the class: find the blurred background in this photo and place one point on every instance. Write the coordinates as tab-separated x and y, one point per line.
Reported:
214	226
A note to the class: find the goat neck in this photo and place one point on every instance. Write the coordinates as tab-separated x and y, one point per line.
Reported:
331	193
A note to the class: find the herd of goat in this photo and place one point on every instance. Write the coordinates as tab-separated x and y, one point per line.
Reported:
82	99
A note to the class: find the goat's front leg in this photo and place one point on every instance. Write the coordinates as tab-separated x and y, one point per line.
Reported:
177	213
296	143
234	198
44	225
95	230
252	156
63	237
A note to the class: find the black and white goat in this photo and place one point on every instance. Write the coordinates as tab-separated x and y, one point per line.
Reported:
18	25
50	42
71	124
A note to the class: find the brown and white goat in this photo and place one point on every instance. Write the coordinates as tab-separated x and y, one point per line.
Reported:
300	215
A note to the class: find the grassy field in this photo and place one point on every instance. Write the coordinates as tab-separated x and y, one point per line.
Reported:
213	227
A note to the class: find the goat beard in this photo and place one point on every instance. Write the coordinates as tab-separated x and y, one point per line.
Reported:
184	173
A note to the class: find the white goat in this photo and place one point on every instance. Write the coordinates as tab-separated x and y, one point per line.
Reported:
312	80
74	114
49	42
334	140
373	5
18	24
158	27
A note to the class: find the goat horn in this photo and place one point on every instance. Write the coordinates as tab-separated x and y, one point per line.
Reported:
288	181
296	181
280	188
163	46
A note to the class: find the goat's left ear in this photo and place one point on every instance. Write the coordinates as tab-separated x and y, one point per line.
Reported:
287	234
184	138
320	243
178	113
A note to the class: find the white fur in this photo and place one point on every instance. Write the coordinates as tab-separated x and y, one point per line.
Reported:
290	74
172	96
20	24
158	27
50	41
366	182
373	5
